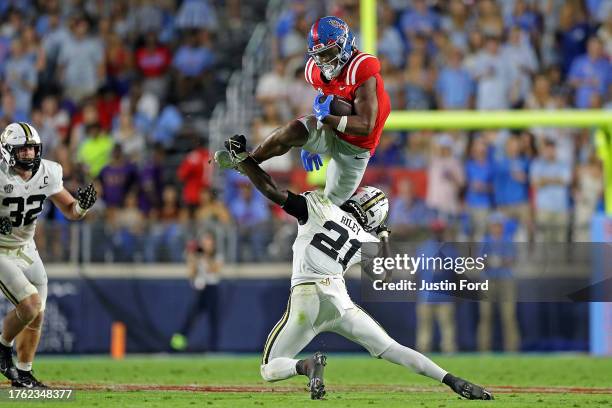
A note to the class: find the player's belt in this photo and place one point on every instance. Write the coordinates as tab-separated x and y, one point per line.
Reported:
16	251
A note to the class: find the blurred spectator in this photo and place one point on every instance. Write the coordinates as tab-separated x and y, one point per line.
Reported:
454	86
407	212
573	31
540	96
117	178
196	14
193	62
390	44
211	211
521	54
144	17
456	24
193	173
167	126
250	211
54	38
523	18
500	257
151	181
495	77
587	196
479	185
418	82
153	60
262	128
55	124
419	19
119	63
293	43
301	93
604	33
95	151
273	87
81	62
128	226
489	21
131	140
590	75
417	149
9	112
204	263
389	152
165	238
511	182
550	178
445	179
437	306
33	49
20	76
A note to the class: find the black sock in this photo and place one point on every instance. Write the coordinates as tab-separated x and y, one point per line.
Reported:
300	367
449	379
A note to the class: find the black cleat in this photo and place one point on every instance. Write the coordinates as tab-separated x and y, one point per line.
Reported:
26	379
315	366
470	391
7	366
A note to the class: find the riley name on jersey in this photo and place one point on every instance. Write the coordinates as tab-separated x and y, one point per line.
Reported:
328	243
22	201
358	69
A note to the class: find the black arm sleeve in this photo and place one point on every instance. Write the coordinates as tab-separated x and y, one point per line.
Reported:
297	207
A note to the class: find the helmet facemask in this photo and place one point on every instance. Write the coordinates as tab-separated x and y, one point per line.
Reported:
331	58
24	164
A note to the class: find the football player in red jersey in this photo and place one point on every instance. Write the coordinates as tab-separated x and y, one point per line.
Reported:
335	67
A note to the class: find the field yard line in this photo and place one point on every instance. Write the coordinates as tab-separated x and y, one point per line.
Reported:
503	389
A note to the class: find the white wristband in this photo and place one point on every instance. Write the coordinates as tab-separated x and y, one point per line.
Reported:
80	210
342	124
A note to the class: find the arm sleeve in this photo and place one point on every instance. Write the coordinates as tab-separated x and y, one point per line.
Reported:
297	207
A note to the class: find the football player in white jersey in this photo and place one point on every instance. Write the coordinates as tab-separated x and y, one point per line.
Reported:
328	242
26	181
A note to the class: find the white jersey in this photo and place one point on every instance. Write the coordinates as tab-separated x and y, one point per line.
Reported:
22	201
328	243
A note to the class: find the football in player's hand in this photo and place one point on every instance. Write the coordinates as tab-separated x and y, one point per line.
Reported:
339	106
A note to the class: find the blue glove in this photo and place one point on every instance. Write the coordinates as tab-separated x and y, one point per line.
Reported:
321	109
308	159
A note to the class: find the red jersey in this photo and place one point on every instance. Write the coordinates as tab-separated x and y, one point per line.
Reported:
355	72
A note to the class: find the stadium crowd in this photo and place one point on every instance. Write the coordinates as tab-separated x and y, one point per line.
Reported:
121	91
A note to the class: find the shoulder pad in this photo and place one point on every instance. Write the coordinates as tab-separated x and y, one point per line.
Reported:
361	67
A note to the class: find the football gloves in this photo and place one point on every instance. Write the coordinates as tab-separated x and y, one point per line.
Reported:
236	146
383	229
6	226
321	109
87	197
310	159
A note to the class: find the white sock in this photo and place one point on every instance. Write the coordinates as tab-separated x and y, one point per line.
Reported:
278	369
6	343
413	360
24	366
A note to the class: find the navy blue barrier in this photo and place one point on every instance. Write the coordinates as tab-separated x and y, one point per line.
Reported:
80	313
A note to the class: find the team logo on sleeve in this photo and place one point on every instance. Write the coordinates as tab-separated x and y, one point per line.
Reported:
8	189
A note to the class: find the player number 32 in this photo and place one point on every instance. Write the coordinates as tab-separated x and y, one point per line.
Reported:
331	247
17	206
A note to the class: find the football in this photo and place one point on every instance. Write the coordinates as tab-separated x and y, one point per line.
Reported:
339	106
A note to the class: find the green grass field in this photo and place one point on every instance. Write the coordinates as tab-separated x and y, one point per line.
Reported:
351	381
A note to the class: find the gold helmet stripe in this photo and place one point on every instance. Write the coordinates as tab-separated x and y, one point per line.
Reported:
27	131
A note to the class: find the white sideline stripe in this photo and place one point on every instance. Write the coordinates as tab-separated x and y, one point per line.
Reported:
353	77
170	271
